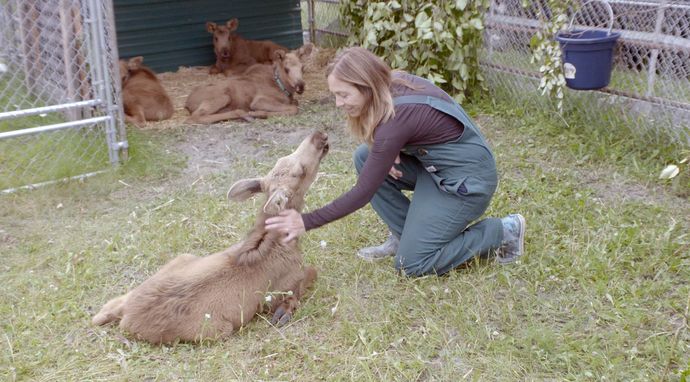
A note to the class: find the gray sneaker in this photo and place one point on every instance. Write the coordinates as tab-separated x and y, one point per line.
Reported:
387	249
513	245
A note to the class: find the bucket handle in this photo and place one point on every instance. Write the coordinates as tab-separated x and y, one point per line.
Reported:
608	6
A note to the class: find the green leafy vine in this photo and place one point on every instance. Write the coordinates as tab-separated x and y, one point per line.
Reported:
438	40
546	51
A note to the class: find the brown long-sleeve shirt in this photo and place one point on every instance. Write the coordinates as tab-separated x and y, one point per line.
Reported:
413	124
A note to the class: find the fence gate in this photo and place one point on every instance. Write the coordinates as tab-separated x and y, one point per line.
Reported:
59	114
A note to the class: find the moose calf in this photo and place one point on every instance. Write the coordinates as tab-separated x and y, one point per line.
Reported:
234	54
261	91
193	298
143	96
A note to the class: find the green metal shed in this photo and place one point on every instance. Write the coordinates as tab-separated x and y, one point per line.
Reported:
172	33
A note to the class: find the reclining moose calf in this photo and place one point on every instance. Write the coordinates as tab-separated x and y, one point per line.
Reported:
234	54
143	96
193	298
260	92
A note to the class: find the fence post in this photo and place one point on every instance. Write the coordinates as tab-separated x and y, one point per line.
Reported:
651	72
66	31
116	107
312	27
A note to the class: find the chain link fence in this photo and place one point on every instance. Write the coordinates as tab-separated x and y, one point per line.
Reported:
650	81
59	114
650	85
322	19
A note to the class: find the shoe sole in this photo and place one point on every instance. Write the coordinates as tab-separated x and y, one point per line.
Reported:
374	259
523	224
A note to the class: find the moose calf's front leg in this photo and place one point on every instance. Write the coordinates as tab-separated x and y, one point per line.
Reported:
211	106
286	307
111	311
272	107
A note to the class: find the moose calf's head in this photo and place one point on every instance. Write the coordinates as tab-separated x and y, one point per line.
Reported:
289	66
287	183
129	67
222	41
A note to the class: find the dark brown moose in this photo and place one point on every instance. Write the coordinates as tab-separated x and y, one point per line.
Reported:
234	54
195	298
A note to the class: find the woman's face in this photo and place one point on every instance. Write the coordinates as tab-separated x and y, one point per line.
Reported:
347	97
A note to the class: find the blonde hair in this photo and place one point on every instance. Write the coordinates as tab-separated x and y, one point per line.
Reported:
372	77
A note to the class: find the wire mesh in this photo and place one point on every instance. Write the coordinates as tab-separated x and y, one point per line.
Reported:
58	115
650	81
650	85
322	19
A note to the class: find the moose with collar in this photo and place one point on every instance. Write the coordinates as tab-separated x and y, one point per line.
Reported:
261	91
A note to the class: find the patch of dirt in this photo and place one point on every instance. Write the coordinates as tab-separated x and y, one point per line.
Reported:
6	238
615	187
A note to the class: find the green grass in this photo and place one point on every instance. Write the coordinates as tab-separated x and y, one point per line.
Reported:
15	96
51	156
598	126
623	79
48	156
602	293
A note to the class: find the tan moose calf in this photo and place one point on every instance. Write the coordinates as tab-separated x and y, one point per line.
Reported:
193	298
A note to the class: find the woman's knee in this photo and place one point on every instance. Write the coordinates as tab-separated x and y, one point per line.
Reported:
413	265
360	156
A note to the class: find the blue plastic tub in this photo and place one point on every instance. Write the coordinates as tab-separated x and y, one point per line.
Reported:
587	58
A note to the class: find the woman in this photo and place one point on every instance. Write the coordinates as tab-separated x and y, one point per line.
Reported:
415	138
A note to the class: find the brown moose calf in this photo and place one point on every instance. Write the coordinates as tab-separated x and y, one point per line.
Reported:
261	91
234	54
193	298
143	96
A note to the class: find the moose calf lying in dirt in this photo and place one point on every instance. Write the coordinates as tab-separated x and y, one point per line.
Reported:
143	96
193	298
260	92
234	54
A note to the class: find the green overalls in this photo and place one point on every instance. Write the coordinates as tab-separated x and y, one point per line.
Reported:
453	183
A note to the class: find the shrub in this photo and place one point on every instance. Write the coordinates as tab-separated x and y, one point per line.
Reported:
438	40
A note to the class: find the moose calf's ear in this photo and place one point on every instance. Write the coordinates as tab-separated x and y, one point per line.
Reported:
211	26
134	63
243	189
278	55
233	24
276	202
305	50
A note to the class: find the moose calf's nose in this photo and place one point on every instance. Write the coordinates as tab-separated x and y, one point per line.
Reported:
320	139
299	88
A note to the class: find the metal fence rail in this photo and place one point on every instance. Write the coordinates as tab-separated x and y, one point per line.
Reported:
59	117
650	86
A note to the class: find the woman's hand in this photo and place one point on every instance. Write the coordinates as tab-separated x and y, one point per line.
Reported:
287	222
394	172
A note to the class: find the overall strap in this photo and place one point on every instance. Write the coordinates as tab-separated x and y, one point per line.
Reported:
437	103
450	108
